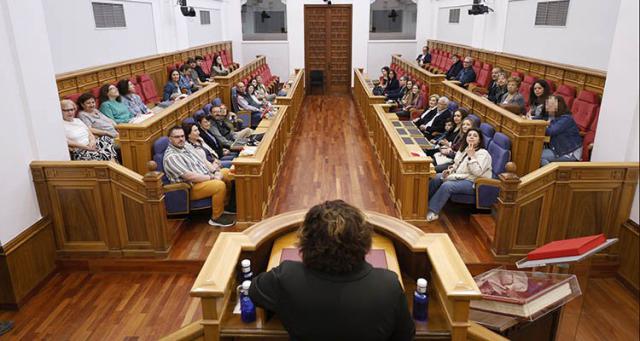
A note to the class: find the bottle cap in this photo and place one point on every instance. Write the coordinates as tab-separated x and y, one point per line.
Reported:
421	285
245	263
246	285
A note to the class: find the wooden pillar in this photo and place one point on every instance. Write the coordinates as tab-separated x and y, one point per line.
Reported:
155	212
506	208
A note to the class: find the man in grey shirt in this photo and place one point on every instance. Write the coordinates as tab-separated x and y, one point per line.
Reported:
222	128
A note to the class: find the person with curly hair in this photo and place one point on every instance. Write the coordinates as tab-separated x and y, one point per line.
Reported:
334	294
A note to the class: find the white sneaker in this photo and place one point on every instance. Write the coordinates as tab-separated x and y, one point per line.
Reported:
432	216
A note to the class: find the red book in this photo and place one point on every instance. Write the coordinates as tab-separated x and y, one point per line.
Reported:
567	247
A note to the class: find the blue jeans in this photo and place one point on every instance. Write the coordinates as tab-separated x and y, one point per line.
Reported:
549	156
440	191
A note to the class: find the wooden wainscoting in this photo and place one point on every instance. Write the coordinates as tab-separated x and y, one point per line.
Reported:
629	256
563	200
136	139
413	70
296	93
25	262
364	97
581	78
238	75
527	136
155	66
102	208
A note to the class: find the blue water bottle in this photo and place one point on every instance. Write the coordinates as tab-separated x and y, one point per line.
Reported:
247	308
246	272
421	301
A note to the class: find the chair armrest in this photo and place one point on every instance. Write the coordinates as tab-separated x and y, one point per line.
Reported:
455	82
487	191
177	187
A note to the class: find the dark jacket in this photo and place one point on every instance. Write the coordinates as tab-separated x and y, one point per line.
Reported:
438	124
223	132
426	116
169	89
564	134
367	304
211	141
201	74
424	58
496	92
454	70
466	76
397	94
393	85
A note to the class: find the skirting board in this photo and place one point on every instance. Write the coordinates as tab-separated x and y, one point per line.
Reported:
26	262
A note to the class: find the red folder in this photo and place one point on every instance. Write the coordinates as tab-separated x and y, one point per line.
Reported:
567	247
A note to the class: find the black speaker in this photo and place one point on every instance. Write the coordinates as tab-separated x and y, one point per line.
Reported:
188	11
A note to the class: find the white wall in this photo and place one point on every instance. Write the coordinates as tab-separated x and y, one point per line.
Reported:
584	41
205	34
460	33
617	134
277	53
380	52
78	44
33	124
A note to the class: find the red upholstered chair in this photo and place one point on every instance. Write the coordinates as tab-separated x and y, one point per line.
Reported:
552	85
517	74
73	97
148	89
481	84
477	66
568	92
96	93
137	86
584	109
525	87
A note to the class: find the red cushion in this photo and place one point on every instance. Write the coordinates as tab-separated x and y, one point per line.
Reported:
584	109
148	89
567	92
588	139
487	66
483	78
517	74
73	97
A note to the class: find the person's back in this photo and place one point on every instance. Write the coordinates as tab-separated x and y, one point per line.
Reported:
334	294
345	307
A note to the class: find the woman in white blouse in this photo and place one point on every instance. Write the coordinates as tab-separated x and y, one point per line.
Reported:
83	145
472	161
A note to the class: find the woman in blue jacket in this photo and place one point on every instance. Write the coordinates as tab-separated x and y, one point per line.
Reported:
565	142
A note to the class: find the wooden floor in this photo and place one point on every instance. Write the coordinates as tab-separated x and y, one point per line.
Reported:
330	157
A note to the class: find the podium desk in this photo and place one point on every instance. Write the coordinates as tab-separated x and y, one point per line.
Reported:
409	252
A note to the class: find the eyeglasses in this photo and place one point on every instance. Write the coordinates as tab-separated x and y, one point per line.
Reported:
68	110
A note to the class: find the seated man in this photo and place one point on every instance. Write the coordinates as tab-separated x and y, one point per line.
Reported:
243	104
183	164
396	95
455	68
433	123
334	294
467	74
223	130
425	57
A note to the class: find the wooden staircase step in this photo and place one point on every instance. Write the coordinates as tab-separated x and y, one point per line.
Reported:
485	225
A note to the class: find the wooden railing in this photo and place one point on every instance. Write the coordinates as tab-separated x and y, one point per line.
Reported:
434	81
581	78
295	96
406	172
364	97
230	80
527	136
156	66
136	139
215	286
102	208
562	200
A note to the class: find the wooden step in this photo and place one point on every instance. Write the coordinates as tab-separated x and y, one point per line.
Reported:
485	226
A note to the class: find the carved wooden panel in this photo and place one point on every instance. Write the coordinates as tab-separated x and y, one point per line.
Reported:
526	233
79	213
135	220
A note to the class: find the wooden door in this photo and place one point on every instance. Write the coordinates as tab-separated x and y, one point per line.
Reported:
327	37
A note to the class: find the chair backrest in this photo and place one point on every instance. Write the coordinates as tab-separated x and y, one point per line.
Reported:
148	89
453	106
500	151
488	131
96	93
475	119
159	147
234	99
484	77
525	87
568	92
74	98
584	109
191	120
477	65
517	74
207	109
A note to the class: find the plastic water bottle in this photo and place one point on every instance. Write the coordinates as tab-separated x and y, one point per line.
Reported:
421	301
247	308
246	273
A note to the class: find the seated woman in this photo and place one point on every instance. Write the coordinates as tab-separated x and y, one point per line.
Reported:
565	143
111	105
471	161
539	92
186	82
217	68
447	151
83	145
384	78
513	98
129	98
447	139
334	294
412	100
192	132
393	84
261	90
172	90
98	123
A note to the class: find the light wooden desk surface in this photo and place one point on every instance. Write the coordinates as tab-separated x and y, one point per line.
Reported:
290	240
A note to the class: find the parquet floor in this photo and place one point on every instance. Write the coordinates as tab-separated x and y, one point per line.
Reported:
330	157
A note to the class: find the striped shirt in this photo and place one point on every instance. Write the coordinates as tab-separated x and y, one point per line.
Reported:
179	161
